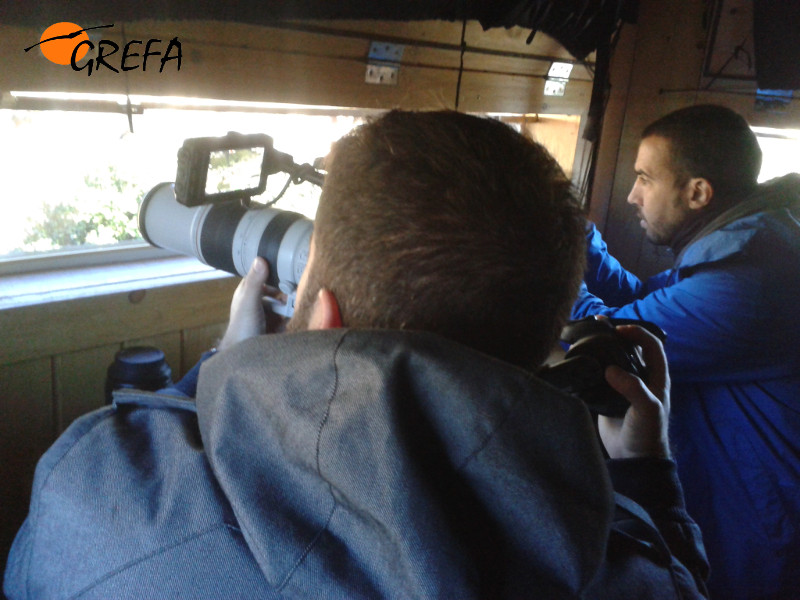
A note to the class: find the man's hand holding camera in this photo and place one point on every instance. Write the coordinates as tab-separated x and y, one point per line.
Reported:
642	432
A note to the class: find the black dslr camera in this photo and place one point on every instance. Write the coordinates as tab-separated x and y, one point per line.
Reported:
595	345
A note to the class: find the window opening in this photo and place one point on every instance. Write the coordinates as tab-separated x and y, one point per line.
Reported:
74	179
74	175
781	151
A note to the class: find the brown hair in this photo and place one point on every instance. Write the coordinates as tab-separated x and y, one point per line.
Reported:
450	223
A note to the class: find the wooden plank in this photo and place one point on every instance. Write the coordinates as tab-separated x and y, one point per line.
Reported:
197	340
732	39
482	92
501	39
60	327
27	429
613	123
80	382
243	62
558	134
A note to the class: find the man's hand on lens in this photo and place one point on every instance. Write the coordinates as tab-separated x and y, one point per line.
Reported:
250	316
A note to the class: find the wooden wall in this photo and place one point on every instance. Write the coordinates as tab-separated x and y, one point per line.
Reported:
558	133
319	63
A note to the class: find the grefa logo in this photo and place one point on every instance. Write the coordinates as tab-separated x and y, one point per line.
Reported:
67	44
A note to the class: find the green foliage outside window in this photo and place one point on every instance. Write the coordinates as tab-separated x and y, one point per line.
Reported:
106	214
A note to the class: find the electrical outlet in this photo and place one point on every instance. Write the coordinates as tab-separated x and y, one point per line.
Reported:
555	87
382	74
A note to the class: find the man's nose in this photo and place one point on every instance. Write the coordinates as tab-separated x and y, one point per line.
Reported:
634	197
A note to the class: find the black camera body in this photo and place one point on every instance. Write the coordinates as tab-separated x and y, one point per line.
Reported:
594	346
197	155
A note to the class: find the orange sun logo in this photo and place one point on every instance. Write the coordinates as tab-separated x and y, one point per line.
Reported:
58	42
67	43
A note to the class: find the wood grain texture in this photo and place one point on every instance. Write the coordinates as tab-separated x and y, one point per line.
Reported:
315	63
59	327
197	340
27	428
80	382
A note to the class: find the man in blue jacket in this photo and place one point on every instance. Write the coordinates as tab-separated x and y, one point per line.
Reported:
392	444
729	309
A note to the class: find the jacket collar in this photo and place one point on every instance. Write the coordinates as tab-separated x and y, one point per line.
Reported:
775	194
402	461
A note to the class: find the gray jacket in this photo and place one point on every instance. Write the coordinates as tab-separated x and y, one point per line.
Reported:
350	464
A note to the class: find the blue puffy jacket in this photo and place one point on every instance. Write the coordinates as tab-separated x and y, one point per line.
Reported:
729	308
351	464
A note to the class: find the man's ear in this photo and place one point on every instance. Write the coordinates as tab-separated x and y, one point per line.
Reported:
700	192
325	312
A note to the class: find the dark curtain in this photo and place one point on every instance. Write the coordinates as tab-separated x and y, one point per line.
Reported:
776	31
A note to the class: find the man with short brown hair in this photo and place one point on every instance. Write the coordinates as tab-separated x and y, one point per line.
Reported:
452	234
